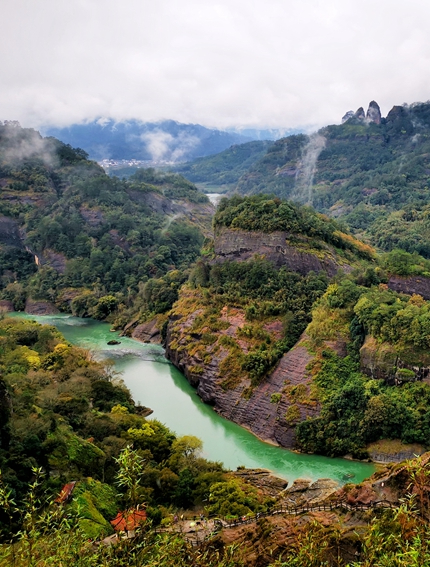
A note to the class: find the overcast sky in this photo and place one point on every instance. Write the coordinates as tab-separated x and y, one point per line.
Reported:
225	63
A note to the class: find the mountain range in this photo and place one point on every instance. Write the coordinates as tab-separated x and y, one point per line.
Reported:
166	141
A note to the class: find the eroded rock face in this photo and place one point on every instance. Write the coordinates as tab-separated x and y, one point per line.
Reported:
241	245
359	114
271	409
148	332
393	451
6	306
394	365
263	480
10	232
410	285
94	217
373	113
265	409
40	307
304	492
55	260
347	116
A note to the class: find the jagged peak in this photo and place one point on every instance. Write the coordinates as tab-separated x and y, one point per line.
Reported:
359	114
373	113
347	116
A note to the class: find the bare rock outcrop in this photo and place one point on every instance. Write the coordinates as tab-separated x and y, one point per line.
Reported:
6	306
148	332
359	114
373	113
393	364
263	480
303	492
241	245
271	409
53	259
40	307
410	284
10	232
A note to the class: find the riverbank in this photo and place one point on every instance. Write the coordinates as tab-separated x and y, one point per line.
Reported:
155	383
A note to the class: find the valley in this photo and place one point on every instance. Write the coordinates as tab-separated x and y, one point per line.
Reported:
307	327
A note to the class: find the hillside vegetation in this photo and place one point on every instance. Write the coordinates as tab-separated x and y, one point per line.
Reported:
96	240
256	290
223	170
365	344
372	172
65	417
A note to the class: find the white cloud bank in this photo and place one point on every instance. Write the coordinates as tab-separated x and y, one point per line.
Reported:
245	63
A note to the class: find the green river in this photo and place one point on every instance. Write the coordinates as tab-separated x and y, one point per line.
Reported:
157	384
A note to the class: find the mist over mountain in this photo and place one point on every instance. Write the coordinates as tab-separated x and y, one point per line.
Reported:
267	133
166	141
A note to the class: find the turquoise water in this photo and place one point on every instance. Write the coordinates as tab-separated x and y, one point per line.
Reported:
157	384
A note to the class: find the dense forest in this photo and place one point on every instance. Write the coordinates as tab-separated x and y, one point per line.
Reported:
66	417
97	241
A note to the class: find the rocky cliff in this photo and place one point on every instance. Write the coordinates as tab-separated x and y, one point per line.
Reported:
392	363
410	284
281	248
271	409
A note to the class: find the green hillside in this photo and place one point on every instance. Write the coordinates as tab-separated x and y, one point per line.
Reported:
367	373
223	170
96	240
371	172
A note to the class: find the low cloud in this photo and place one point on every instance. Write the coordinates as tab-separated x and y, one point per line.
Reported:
163	146
230	63
20	146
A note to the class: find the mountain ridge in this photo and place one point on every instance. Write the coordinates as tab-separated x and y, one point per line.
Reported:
163	141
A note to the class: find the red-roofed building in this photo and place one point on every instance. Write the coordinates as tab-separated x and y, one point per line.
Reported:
66	493
128	521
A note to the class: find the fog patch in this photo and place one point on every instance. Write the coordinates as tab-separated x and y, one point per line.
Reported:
22	144
303	188
163	146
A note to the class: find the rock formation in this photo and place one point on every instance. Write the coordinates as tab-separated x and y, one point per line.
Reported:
359	114
347	116
265	411
40	307
272	408
373	113
241	245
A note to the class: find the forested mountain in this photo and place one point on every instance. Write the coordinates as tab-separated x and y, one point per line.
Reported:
155	141
86	242
223	170
372	172
285	322
298	331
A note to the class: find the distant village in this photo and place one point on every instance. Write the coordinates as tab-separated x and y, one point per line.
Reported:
110	165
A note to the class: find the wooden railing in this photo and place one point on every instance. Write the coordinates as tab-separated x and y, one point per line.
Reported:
219	523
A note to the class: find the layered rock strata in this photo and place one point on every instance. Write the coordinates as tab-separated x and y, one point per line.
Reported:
262	409
242	245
